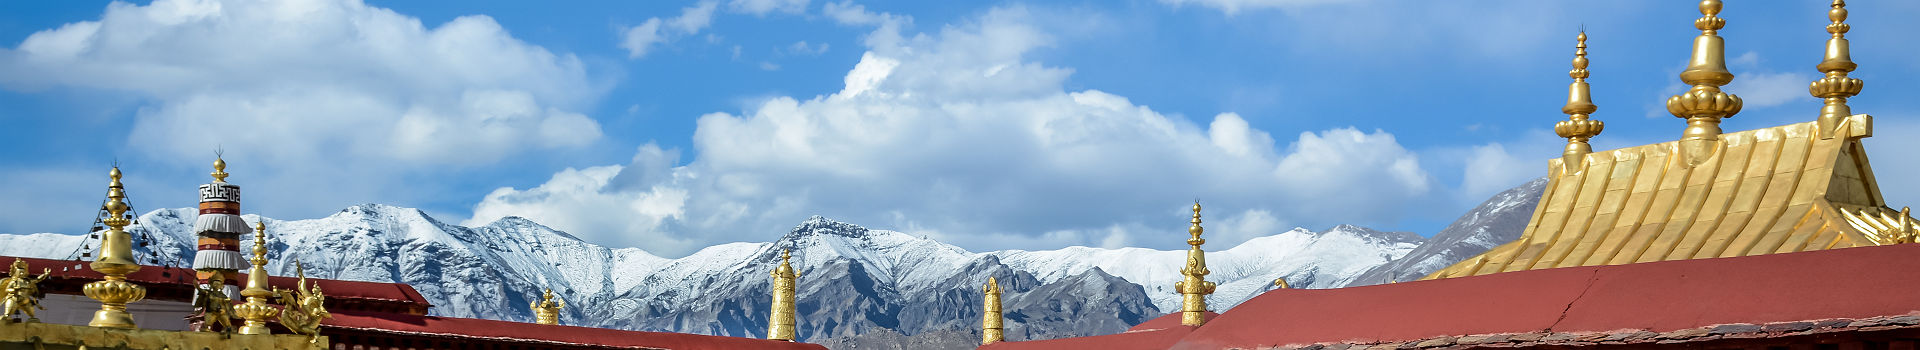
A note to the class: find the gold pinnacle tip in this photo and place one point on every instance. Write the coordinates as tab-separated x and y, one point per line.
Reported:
1578	128
219	170
1835	87
1196	230
1704	105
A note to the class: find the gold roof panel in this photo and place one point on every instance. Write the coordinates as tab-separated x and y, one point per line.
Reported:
1773	190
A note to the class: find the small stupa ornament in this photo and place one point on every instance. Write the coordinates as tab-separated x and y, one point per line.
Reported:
781	325
1194	288
992	326
1836	86
256	311
116	261
1704	105
547	310
1579	127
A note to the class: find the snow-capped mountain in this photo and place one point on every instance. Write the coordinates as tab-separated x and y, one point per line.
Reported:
854	280
1307	259
1499	220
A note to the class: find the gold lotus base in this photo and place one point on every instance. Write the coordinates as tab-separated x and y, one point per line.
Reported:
14	335
113	294
256	315
113	319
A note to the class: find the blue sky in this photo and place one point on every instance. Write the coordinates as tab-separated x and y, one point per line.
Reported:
673	125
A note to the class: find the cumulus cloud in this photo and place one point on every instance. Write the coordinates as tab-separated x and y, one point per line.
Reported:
802	48
301	87
640	39
958	133
846	12
1491	169
1234	6
763	7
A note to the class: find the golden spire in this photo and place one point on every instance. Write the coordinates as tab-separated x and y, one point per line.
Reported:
255	311
992	328
1194	288
219	170
1578	128
1704	105
1836	87
547	310
116	261
780	325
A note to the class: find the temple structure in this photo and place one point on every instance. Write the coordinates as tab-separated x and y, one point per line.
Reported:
219	228
1773	238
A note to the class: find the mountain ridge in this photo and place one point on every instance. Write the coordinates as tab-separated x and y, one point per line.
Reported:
854	280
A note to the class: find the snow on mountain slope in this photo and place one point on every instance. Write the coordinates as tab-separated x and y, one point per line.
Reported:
853	279
1499	220
1325	259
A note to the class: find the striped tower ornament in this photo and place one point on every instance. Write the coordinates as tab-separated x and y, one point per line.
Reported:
219	228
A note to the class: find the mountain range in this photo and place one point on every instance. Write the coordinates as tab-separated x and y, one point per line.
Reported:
859	287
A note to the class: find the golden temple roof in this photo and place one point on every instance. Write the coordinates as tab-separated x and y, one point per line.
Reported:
1789	188
1774	190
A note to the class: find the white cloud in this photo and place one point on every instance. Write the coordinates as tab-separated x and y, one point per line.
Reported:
579	202
1245	225
1234	6
1490	169
294	89
802	48
1768	89
640	39
846	12
762	7
960	132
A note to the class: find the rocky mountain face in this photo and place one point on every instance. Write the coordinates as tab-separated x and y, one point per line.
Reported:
858	286
1499	220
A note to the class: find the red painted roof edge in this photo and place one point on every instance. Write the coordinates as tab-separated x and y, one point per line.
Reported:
1848	283
153	275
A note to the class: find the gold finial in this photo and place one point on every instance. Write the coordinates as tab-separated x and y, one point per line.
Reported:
116	261
1578	128
992	328
1704	105
219	170
22	292
1194	288
1904	231
1836	86
255	311
547	310
1281	283
781	325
